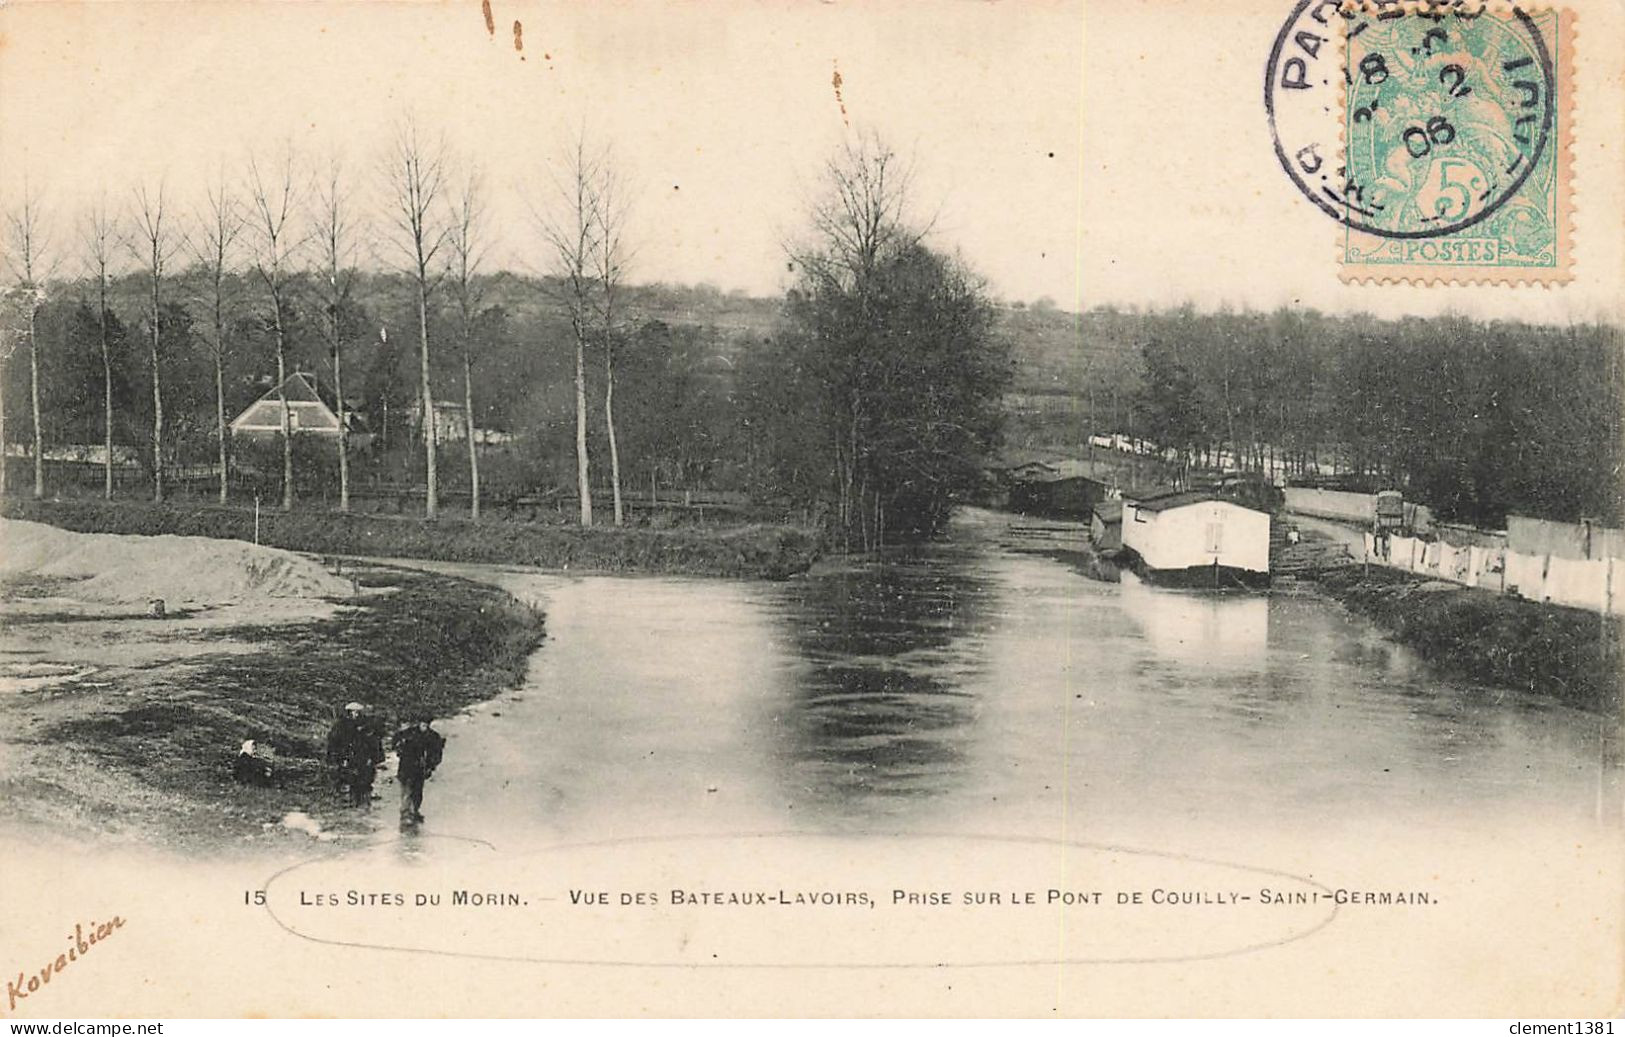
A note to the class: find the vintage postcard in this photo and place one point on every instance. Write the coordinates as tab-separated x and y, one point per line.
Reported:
1086	507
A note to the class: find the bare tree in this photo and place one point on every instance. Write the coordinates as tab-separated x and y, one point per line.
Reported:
12	327
467	242
338	248
416	172
219	225
276	196
859	222
26	245
609	268
572	235
156	247
100	233
863	214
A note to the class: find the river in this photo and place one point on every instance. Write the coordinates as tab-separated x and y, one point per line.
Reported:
965	686
952	779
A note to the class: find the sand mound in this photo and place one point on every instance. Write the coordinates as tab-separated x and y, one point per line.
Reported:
181	570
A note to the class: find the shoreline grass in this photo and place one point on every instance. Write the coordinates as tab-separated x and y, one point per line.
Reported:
1568	654
750	551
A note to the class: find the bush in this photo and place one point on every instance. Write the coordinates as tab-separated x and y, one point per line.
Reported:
257	464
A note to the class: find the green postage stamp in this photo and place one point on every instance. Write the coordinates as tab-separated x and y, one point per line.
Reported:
1435	132
1455	144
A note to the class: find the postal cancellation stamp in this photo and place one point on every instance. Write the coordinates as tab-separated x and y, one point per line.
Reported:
1452	122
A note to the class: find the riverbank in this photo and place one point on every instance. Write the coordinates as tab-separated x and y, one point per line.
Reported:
1089	563
1564	653
755	551
138	744
1067	541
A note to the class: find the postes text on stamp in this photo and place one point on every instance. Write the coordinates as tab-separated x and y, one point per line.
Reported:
1455	157
1435	133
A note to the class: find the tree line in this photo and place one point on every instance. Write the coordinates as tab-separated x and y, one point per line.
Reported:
276	253
675	415
866	400
1475	418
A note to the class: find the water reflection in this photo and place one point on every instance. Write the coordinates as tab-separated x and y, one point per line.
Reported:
881	703
1197	628
964	685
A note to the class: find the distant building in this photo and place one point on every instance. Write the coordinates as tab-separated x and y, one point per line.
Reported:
450	424
307	411
1054	489
311	411
1194	539
80	453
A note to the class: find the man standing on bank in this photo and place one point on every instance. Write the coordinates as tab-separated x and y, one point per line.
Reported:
419	748
355	748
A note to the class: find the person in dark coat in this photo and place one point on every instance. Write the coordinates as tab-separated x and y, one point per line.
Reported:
419	748
355	748
249	768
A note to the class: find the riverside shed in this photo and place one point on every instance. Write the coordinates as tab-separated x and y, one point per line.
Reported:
1058	489
1197	540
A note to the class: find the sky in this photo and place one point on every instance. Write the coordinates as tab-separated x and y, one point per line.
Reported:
1114	152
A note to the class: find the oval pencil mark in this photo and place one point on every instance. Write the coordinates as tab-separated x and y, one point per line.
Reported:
1118	904
519	38
490	19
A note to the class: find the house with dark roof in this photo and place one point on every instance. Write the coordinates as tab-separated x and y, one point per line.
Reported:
311	411
1054	489
1196	539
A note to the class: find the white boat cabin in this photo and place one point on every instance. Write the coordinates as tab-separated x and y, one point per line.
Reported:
1184	537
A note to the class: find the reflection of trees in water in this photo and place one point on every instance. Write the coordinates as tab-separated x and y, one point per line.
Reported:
876	714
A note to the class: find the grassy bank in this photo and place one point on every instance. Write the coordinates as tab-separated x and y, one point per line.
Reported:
1569	654
152	751
770	551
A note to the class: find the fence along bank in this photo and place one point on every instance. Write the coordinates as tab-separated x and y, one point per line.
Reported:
1564	563
1574	564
